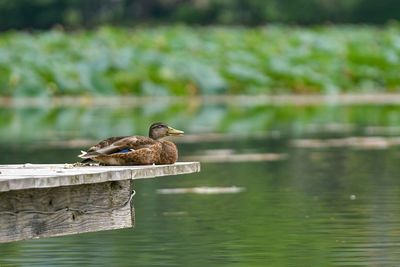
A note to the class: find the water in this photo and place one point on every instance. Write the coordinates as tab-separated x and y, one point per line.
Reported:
316	207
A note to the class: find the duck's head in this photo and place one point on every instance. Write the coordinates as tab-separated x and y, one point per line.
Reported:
159	130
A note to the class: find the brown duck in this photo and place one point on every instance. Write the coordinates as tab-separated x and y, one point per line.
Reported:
136	150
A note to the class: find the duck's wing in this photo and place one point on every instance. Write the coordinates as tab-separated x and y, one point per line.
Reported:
106	142
116	145
105	146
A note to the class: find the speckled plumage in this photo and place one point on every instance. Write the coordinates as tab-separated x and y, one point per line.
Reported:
168	154
136	150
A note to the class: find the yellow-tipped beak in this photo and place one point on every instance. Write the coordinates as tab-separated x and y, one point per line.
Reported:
174	132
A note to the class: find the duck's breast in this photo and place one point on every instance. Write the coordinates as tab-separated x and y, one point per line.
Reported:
169	153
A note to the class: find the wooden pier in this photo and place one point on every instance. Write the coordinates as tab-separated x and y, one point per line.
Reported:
42	200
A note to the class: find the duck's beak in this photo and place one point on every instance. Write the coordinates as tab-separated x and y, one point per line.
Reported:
174	132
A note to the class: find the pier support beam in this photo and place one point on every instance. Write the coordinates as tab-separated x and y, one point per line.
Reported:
44	212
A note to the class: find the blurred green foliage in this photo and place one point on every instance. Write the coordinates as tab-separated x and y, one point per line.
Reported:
44	14
188	61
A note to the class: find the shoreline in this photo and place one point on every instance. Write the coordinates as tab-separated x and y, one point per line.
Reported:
239	100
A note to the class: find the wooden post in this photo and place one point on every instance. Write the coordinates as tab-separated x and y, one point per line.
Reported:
52	200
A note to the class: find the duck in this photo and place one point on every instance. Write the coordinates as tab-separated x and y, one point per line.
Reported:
136	150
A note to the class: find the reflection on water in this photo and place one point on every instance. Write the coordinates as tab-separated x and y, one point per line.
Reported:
24	123
316	207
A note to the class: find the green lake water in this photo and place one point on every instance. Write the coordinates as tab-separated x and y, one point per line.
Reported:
316	207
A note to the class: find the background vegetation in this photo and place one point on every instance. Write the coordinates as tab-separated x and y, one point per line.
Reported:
81	55
187	61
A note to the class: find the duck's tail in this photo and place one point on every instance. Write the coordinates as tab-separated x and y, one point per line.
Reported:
83	154
86	155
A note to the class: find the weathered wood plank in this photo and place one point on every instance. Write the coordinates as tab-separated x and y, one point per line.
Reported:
44	212
25	176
